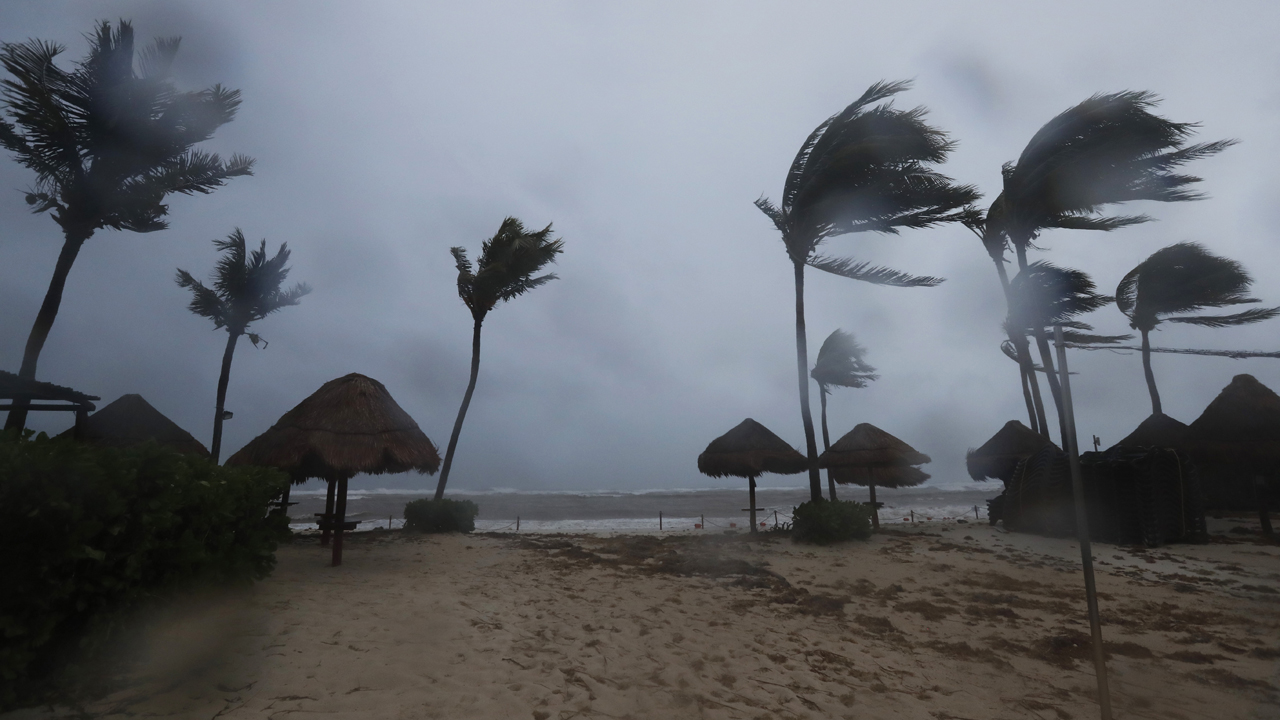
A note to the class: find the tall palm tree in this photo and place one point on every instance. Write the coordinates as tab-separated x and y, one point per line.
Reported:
841	363
868	168
107	142
1184	278
1106	150
246	288
504	270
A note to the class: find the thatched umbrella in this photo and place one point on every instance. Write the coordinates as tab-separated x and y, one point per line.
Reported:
874	457
131	420
999	456
350	425
1158	431
1239	433
748	451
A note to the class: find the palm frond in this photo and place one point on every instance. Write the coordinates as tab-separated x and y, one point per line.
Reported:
1043	295
841	363
1185	278
866	272
506	267
1221	321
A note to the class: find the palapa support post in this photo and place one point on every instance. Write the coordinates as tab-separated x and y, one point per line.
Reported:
1261	493
517	523
753	504
875	507
339	521
659	519
328	514
1082	528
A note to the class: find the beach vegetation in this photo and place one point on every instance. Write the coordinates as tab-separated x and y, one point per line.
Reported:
841	363
506	269
440	515
107	141
94	533
1180	279
868	168
822	522
247	287
1107	150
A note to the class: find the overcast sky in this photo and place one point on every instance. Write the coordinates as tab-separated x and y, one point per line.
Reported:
385	133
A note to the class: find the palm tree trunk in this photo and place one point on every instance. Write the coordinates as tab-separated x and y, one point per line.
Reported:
71	245
1151	377
1030	384
462	411
1055	387
215	450
802	369
826	439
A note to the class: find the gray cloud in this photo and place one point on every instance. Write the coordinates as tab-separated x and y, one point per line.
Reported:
387	134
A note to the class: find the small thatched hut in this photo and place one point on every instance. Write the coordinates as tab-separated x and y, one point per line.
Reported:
1157	431
1236	444
869	456
748	451
350	425
130	420
999	456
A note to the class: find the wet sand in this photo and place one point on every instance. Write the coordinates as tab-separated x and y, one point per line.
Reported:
933	621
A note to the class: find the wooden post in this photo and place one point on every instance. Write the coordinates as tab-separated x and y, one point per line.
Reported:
517	523
659	519
340	517
81	416
1082	527
975	513
1261	496
875	509
703	518
775	519
753	503
328	513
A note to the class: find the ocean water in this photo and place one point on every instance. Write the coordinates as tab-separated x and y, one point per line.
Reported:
647	511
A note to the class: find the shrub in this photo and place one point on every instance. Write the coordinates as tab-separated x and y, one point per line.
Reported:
440	516
89	533
825	522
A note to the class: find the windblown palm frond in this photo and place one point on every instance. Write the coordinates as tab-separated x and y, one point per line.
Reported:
1044	295
1108	149
841	363
247	286
107	141
1185	278
506	266
867	169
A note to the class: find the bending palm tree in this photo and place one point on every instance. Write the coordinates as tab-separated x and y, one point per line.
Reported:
1108	149
840	364
246	288
505	270
107	145
1184	278
864	169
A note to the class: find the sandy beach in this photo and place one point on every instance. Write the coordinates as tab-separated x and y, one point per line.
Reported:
932	621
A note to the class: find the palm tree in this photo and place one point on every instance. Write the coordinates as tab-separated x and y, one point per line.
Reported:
505	270
840	363
1109	149
1184	278
865	169
246	288
107	142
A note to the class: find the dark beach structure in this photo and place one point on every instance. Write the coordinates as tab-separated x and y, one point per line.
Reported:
1141	491
999	456
130	421
350	425
871	457
46	397
748	451
1236	444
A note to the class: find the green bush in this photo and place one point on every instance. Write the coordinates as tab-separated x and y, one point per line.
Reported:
825	522
89	533
440	516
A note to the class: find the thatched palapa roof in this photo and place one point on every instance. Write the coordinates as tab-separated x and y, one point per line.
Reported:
1240	428
1159	431
13	387
868	446
350	425
893	476
750	450
999	456
131	420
